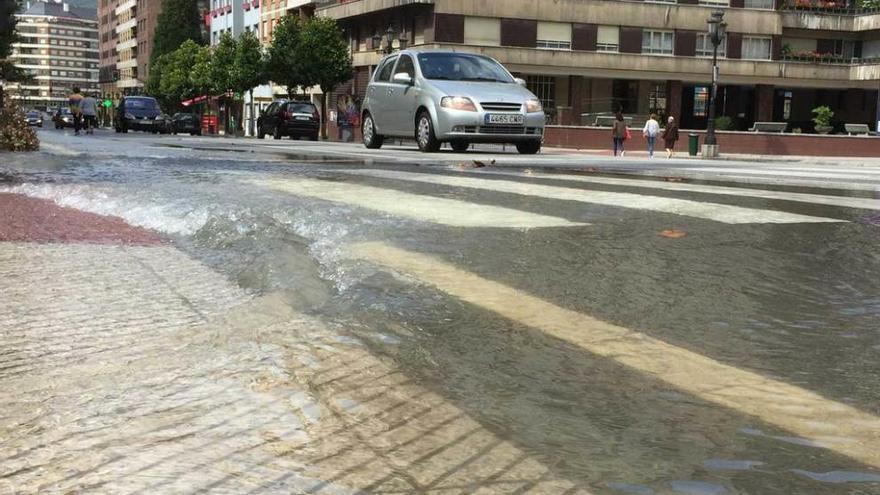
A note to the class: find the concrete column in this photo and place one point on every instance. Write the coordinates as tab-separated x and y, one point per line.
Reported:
673	99
576	98
763	103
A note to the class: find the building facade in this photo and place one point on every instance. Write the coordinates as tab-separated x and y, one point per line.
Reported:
126	32
58	49
583	58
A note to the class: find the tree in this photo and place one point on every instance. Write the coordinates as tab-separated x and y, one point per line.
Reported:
184	73
284	56
8	36
249	68
325	58
222	61
178	22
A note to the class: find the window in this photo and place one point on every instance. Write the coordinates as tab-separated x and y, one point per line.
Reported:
756	48
405	66
760	4
384	72
657	98
844	48
485	31
704	46
657	42
607	38
554	35
544	87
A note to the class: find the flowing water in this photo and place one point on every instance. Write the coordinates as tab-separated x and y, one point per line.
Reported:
798	303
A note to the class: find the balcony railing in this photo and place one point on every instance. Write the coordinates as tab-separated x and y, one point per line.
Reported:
845	7
828	58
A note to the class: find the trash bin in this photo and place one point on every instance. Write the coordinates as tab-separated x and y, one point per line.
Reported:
693	144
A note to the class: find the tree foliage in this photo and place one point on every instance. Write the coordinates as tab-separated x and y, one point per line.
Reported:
284	58
182	74
178	22
248	69
324	57
8	21
222	62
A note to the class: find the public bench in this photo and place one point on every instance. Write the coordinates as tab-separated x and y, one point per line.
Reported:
769	127
857	129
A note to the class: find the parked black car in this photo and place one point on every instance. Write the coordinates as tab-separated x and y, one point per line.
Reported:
63	118
140	113
186	123
290	118
35	118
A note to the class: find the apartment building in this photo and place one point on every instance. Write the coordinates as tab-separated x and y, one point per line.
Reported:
233	17
59	49
779	59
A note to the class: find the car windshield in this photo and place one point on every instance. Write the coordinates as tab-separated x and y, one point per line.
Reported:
33	114
462	67
142	103
301	108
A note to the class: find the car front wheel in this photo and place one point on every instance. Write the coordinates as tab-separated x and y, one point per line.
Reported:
460	146
529	147
425	136
372	139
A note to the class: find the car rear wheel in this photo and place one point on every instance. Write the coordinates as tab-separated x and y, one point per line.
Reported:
261	134
460	146
425	137
372	139
276	133
529	147
313	137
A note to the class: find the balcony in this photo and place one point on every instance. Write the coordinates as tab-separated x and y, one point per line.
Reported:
838	7
341	9
833	15
814	58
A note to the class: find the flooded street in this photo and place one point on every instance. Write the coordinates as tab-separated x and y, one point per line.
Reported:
186	318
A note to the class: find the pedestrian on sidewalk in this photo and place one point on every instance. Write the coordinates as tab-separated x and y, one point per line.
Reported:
89	106
618	134
670	136
651	130
74	102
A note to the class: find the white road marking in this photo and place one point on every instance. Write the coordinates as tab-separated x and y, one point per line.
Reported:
830	424
710	211
417	207
819	199
785	173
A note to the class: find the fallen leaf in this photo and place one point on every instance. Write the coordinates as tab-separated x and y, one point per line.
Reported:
672	233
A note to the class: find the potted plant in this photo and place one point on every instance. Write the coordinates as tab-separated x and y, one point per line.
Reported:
822	119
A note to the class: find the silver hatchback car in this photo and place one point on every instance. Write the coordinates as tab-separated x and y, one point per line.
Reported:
455	97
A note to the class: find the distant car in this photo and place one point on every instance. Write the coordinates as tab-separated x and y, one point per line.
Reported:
450	97
290	118
63	118
140	113
186	123
35	118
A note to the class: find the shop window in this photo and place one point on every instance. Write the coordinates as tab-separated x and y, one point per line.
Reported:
701	101
657	98
657	42
608	39
756	48
704	46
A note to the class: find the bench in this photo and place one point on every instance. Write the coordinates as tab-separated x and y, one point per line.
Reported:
769	127
857	129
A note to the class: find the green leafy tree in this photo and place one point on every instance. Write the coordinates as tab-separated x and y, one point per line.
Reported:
8	36
325	58
284	57
179	21
249	67
222	61
185	73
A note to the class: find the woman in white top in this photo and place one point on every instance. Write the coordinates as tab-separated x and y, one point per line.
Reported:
651	130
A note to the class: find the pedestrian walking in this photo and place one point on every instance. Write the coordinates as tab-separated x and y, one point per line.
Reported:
74	102
651	130
89	106
618	134
670	136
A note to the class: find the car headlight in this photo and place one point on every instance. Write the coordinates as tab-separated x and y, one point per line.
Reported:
534	106
129	116
458	103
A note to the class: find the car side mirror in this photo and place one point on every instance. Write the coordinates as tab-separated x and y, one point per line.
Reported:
402	78
520	81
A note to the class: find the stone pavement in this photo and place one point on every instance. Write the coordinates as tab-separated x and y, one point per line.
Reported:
128	367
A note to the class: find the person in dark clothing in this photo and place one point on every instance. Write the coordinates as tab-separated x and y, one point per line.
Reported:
618	134
670	136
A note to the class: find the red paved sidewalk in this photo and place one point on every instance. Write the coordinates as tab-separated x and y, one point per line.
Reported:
26	219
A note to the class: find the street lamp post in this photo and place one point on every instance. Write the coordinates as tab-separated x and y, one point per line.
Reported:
390	33
717	30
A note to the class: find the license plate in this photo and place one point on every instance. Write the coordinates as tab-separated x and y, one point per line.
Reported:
303	118
495	118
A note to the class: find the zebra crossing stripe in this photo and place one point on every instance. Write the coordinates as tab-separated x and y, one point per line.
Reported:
709	211
827	423
414	206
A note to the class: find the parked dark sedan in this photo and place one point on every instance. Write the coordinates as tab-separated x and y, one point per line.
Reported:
186	123
290	118
140	113
35	118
